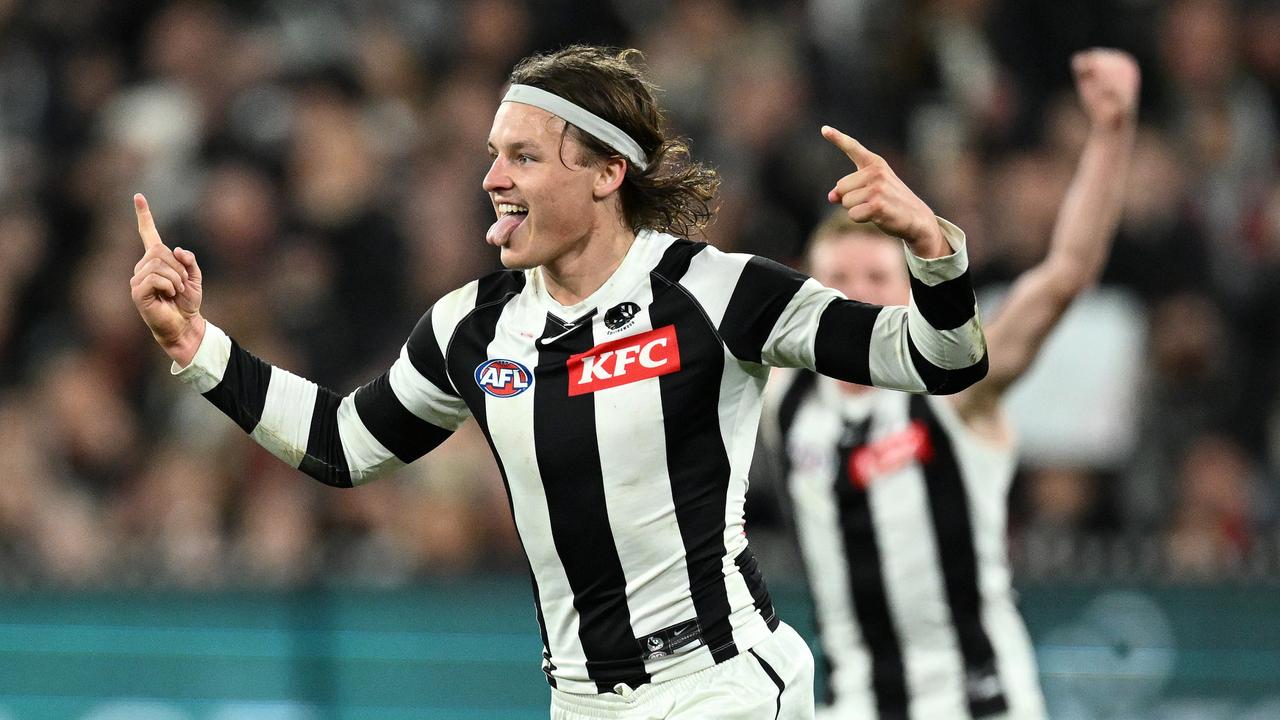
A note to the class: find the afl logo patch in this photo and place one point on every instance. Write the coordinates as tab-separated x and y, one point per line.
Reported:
621	315
503	378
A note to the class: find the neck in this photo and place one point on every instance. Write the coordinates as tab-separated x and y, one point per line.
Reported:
580	271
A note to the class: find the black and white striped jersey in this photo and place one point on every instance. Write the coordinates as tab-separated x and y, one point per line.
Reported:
623	427
901	514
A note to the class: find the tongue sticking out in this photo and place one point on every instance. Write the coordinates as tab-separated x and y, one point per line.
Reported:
500	232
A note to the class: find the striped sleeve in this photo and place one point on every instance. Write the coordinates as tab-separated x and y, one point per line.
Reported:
340	441
779	317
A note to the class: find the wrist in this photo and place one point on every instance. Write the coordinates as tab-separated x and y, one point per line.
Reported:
182	349
928	243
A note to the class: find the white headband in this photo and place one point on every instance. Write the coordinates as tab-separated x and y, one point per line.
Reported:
590	123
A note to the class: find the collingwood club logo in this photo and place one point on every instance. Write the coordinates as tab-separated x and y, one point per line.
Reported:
621	316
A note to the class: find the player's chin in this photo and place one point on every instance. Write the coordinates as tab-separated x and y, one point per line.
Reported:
513	259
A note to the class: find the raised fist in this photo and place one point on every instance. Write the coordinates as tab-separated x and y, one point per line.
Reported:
1107	82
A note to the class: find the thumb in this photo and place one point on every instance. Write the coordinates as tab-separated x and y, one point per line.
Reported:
188	260
855	150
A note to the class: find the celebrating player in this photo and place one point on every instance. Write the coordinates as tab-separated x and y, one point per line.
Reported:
617	371
900	500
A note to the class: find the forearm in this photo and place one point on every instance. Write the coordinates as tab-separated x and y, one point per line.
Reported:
340	441
1090	212
934	345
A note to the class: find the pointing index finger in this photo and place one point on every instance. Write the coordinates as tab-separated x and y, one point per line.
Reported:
146	225
858	153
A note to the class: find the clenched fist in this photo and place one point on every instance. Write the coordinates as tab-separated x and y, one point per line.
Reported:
166	289
875	194
1107	82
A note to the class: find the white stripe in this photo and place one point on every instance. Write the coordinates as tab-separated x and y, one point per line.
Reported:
448	312
948	349
590	123
366	457
510	420
421	397
209	363
890	359
711	278
286	417
938	270
791	342
637	493
810	443
912	570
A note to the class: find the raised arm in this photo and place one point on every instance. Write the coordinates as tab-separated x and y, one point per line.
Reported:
1107	82
340	441
779	317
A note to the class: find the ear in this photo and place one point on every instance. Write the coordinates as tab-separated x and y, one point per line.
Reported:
609	177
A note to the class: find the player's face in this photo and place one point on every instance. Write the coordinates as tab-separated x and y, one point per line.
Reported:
537	173
863	267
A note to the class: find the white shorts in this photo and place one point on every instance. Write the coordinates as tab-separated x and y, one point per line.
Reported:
771	681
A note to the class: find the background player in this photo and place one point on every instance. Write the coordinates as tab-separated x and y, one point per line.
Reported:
900	500
617	372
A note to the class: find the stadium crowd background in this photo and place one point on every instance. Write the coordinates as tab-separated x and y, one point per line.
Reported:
324	157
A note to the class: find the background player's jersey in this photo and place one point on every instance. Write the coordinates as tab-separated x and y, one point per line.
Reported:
901	514
623	427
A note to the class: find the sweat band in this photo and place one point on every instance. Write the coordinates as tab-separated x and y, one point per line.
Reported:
587	121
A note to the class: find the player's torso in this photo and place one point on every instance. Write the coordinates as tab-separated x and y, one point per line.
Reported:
607	419
901	517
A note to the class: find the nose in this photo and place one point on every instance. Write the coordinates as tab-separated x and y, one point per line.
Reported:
497	177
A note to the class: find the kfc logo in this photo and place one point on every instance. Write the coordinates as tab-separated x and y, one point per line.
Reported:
890	453
625	360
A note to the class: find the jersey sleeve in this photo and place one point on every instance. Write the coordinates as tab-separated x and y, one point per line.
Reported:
776	316
339	440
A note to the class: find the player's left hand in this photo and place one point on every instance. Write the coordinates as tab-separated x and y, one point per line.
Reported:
1107	82
875	194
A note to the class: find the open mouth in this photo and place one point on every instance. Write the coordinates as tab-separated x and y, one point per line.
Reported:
510	216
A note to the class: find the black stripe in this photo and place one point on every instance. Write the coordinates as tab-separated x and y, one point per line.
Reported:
325	460
425	354
242	392
548	664
775	677
697	461
947	305
842	346
953	532
564	436
675	260
469	348
498	286
763	291
406	435
940	381
792	397
750	571
866	582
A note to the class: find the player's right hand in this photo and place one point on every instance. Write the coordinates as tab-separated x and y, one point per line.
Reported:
166	289
1107	82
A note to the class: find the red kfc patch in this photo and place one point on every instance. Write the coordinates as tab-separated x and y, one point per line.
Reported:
625	360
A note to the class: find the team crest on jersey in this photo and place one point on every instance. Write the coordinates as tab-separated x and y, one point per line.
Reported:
503	378
621	316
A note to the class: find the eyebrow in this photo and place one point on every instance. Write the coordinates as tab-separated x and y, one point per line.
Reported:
516	146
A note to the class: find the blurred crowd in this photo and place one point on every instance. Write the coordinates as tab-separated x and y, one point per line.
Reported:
323	158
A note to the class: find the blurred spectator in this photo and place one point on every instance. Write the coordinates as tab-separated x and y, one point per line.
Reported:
324	159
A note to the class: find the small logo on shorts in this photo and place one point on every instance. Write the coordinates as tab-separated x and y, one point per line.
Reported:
621	316
503	378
